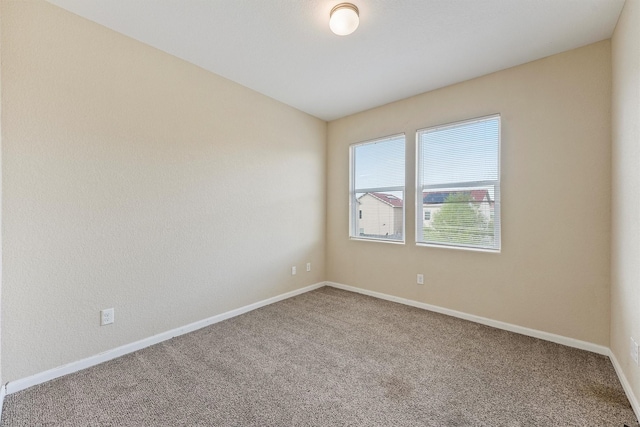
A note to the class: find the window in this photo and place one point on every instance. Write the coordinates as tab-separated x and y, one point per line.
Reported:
459	184
377	189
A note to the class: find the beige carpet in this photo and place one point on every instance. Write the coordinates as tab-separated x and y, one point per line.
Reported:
329	358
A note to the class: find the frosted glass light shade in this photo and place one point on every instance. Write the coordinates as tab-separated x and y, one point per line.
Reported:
344	19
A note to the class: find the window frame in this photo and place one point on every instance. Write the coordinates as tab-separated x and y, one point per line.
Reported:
420	188
353	201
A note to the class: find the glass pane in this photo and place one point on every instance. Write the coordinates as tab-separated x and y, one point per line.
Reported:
460	217
461	153
380	164
380	215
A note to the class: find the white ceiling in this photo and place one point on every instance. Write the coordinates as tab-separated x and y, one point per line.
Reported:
285	50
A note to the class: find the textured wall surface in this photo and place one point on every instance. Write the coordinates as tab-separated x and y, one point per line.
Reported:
1	240
625	242
137	181
553	272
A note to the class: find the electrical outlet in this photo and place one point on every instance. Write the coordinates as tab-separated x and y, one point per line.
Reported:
293	271
634	351
107	316
420	279
308	266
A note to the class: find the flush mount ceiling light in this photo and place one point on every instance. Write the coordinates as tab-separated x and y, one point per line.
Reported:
344	19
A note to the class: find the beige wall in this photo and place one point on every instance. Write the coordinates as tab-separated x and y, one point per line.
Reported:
553	272
137	181
1	382
625	246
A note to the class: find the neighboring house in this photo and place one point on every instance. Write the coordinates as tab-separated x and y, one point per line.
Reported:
379	215
432	203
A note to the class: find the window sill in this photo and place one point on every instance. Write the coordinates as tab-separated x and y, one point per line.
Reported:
367	239
459	248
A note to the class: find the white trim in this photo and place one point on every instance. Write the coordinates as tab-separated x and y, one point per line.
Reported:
373	239
458	247
381	139
23	383
421	186
635	405
459	123
353	201
3	393
380	190
456	186
547	336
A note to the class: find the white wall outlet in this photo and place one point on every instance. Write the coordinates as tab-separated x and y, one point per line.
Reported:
634	351
107	316
308	266
420	279
293	271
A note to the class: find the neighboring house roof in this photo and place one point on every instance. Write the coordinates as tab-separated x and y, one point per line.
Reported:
480	195
389	199
438	197
435	197
431	198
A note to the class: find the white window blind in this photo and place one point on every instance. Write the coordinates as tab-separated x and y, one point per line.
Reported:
459	183
377	189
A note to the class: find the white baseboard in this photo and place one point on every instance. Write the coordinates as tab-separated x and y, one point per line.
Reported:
3	393
625	385
559	339
23	383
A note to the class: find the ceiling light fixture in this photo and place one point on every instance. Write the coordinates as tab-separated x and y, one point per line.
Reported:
344	19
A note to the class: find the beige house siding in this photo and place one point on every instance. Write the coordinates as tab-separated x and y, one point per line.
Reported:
377	218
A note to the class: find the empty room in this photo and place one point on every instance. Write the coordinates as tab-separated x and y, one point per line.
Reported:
316	213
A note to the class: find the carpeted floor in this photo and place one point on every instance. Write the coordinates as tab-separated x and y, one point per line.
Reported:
331	357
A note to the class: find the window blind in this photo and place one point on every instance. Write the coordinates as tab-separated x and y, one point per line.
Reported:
459	184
